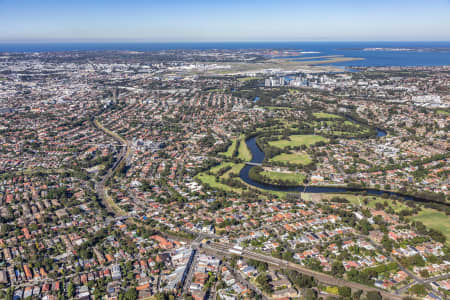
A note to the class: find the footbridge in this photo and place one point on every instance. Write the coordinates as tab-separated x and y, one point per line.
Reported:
253	164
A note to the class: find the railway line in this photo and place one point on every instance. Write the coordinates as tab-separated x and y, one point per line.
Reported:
224	249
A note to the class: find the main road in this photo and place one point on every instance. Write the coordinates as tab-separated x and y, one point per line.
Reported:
102	191
112	207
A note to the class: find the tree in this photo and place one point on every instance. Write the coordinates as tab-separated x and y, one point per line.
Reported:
164	296
357	294
337	269
264	281
261	266
98	294
300	280
131	294
387	243
70	290
424	273
9	293
374	295
310	294
345	291
418	289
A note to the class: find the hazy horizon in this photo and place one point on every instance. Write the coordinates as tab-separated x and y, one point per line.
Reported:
97	41
232	21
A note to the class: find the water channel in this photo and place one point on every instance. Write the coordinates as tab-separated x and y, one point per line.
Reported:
258	157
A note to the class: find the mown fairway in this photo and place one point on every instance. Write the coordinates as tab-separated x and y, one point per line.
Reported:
244	79
298	140
230	150
217	168
244	153
293	158
443	112
431	218
211	181
322	115
235	169
294	177
434	219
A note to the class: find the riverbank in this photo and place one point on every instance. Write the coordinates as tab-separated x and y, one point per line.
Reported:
258	157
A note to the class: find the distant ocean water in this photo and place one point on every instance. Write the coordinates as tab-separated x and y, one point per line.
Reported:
348	49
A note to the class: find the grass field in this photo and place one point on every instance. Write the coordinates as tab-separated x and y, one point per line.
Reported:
293	158
244	153
356	200
286	65
346	133
230	150
397	206
244	79
113	205
235	169
217	168
431	218
330	124
434	219
295	177
36	170
335	122
332	290
283	124
275	193
443	112
322	115
211	181
298	140
348	123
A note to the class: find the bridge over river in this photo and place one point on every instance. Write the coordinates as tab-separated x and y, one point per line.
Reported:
258	157
253	164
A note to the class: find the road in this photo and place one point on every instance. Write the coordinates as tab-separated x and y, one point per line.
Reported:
416	280
124	154
245	282
112	207
393	259
212	292
101	191
324	278
425	281
189	276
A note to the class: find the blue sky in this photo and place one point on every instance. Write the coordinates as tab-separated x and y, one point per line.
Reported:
227	20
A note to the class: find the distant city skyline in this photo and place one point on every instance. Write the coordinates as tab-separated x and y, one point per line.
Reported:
212	21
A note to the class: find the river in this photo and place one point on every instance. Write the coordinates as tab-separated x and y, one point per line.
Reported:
258	157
